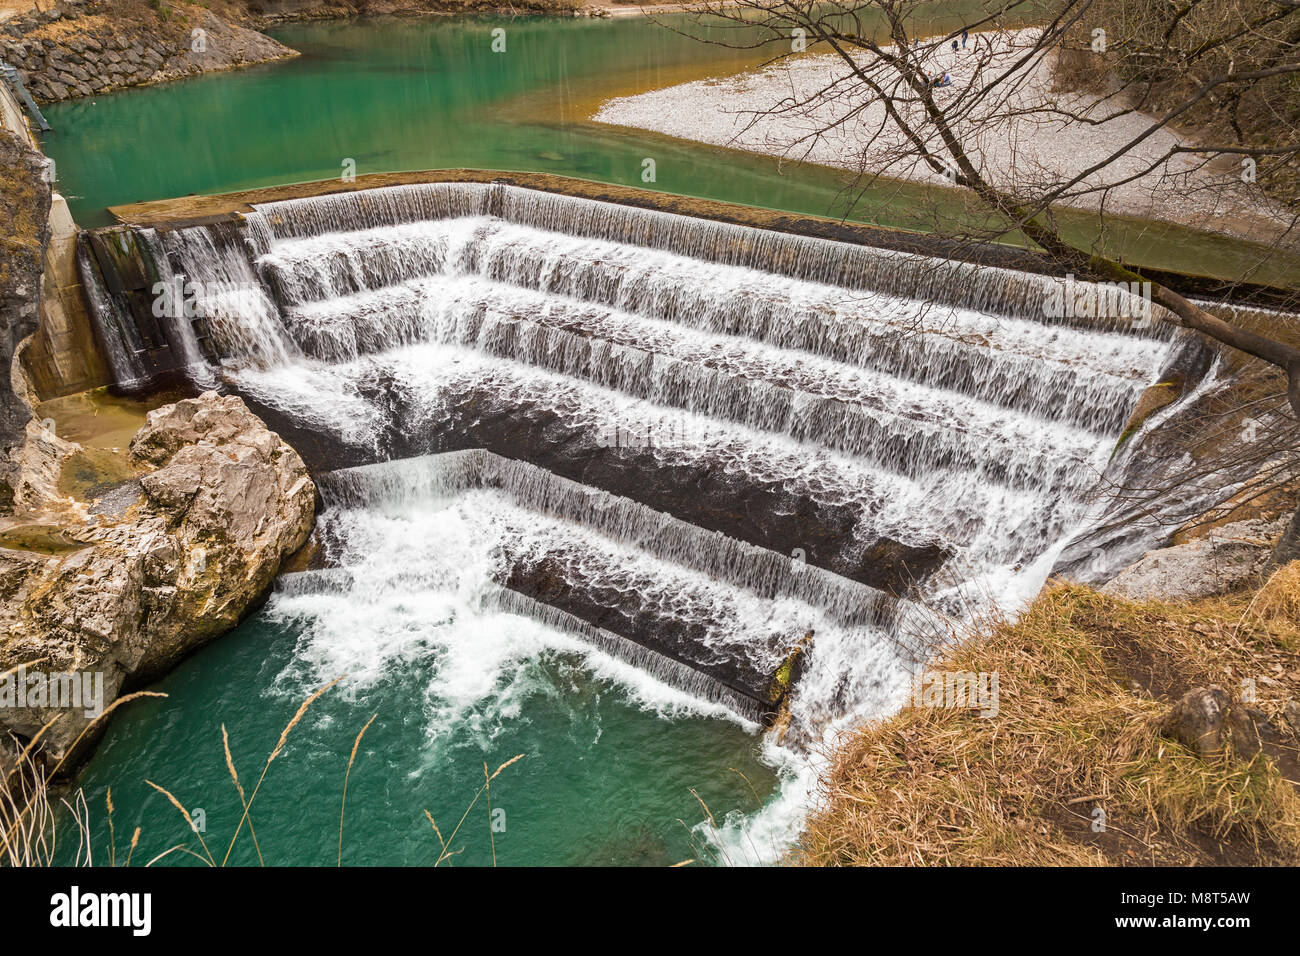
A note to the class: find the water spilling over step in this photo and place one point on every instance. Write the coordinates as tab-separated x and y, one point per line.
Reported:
700	611
694	440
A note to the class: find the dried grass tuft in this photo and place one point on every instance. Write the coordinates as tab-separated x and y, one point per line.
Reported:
1084	683
1279	599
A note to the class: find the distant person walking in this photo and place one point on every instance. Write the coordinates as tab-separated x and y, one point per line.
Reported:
964	34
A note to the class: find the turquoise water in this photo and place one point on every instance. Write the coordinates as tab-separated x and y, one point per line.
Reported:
606	779
402	94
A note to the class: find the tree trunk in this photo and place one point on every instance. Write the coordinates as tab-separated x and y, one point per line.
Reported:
1288	546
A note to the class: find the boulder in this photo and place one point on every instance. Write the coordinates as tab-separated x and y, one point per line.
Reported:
179	561
35	465
1207	721
1292	714
1225	559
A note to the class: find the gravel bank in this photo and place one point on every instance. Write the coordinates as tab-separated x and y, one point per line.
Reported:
779	110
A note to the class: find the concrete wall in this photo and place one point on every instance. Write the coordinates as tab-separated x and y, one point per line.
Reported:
62	356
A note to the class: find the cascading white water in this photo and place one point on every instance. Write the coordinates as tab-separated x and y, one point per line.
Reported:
115	329
222	286
933	401
410	482
746	608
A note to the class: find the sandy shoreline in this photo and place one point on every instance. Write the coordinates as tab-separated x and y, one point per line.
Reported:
1012	148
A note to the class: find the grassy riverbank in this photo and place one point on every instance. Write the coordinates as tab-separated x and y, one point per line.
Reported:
1085	682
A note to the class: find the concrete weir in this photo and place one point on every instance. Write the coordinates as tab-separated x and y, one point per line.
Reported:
758	456
60	357
639	583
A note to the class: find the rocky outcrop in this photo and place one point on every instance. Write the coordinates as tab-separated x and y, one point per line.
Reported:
159	566
36	464
1224	559
24	211
1287	548
83	47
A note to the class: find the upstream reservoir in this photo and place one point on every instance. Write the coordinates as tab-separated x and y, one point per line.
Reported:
400	94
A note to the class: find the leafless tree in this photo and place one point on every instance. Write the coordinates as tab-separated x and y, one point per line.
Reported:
1225	67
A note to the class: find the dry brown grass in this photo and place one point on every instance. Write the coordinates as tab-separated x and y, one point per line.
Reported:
1278	601
29	816
1084	682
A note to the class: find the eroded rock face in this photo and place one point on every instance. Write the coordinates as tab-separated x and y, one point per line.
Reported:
1226	558
222	503
24	212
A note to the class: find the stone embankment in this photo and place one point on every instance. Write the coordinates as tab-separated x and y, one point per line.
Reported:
84	47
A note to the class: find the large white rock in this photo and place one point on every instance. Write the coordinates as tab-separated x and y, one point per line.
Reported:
1224	559
177	559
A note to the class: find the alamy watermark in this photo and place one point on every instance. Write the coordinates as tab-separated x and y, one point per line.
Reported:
181	298
59	690
957	690
665	432
1069	299
75	909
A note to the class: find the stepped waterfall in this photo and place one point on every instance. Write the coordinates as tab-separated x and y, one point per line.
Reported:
770	471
